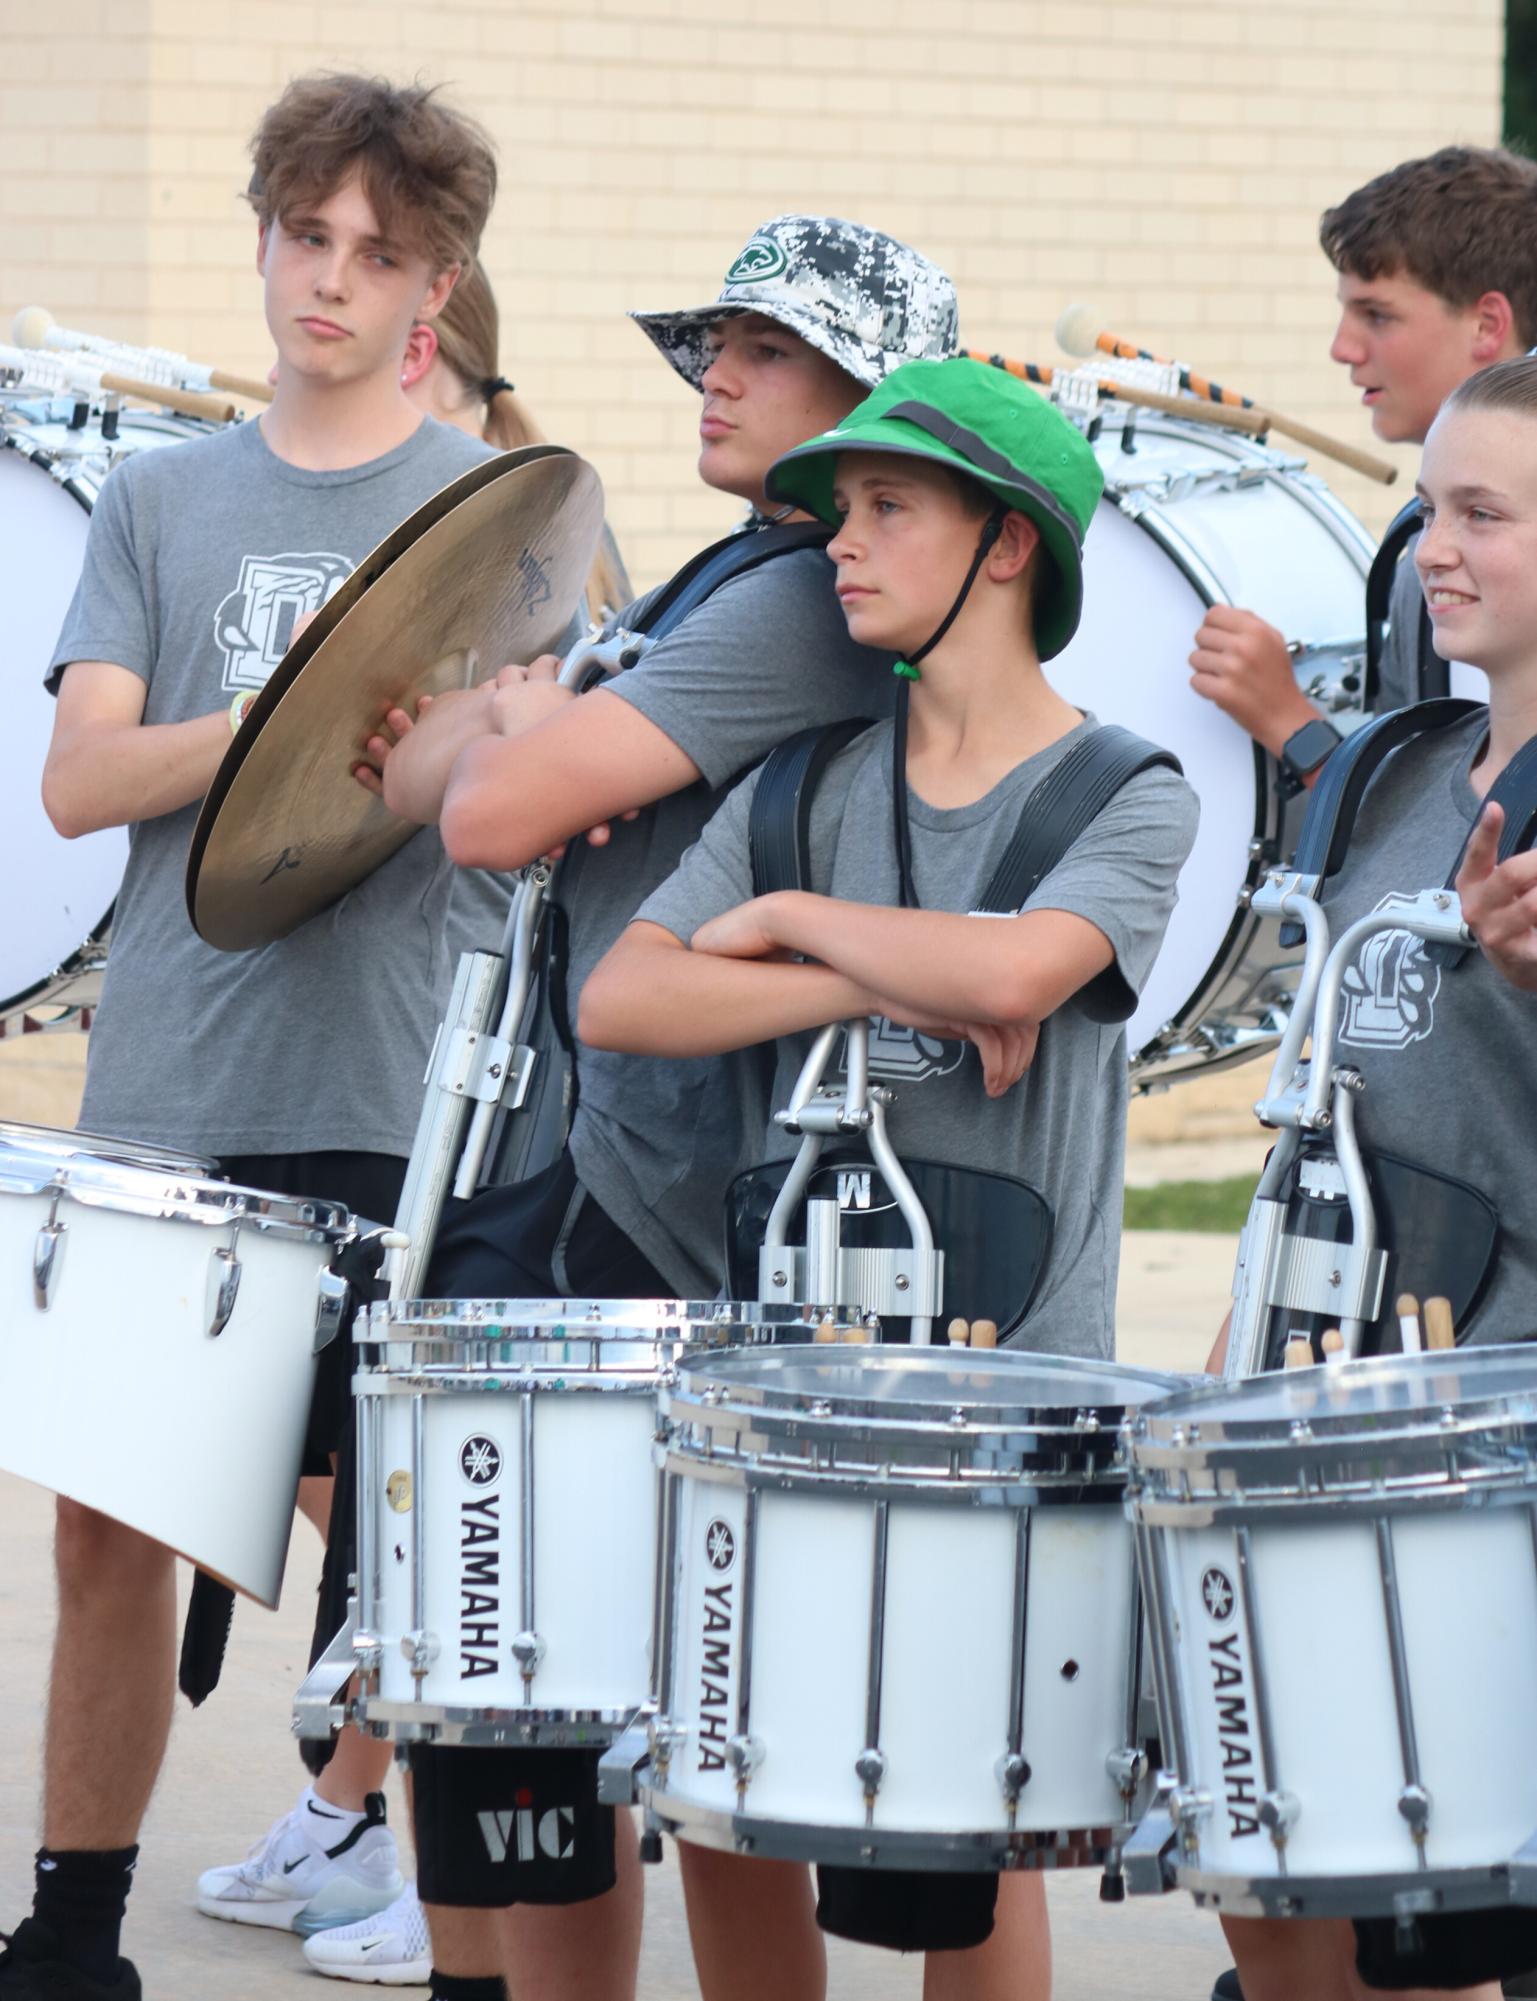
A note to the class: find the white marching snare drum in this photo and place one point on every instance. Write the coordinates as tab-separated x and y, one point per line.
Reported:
59	893
158	1333
507	1509
899	1611
1194	517
1340	1566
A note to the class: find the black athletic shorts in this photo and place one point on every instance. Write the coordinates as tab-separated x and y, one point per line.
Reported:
515	1826
907	1910
369	1184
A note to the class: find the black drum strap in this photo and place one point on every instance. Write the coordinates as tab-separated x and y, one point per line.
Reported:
1432	669
779	825
1341	786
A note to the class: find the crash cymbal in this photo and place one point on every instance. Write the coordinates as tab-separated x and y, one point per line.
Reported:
488	571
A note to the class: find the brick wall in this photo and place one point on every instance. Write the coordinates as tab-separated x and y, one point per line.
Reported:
1164	159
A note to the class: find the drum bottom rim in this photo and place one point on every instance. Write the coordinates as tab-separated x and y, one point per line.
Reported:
971	1852
448	1723
1409	1893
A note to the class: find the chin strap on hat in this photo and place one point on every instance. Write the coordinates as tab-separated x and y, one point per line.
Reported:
907	672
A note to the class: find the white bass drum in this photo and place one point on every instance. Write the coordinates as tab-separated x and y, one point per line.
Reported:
1193	516
60	893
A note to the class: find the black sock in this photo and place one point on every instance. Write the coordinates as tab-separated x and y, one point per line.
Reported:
467	1987
82	1894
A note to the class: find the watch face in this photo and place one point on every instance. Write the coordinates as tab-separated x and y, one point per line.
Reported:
1309	746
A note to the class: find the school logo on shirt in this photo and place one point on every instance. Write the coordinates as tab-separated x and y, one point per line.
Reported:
254	625
905	1055
1390	989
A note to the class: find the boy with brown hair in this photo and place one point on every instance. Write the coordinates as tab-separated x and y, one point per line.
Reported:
1437	269
368	199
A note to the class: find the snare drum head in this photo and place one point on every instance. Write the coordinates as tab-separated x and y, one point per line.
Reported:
1339	1396
1157	553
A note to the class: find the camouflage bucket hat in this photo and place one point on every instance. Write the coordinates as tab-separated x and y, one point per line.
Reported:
980	422
861	298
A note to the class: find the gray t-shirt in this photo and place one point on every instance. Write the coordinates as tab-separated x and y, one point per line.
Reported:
766	655
199	560
1061	1129
1449	1055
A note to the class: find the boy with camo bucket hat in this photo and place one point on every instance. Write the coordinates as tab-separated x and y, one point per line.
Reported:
960	501
632	1207
861	298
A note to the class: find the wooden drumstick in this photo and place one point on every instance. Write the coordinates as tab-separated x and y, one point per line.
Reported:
1407	1307
1439	1331
187	401
959	1332
825	1331
1333	1345
1299	1352
1076	334
984	1333
1042	374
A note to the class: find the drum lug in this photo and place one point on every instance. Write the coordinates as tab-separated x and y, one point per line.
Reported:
664	1736
870	1769
1126	1770
223	1285
1188	1807
744	1755
528	1650
1013	1770
46	1253
1278	1812
330	1309
420	1649
1414	1805
367	1653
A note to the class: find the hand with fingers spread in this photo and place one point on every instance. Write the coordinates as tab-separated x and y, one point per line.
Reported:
1242	664
397	725
1499	902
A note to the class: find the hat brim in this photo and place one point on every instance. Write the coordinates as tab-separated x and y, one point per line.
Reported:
804	476
682	338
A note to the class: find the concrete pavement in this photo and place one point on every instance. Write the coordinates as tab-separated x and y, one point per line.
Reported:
233	1769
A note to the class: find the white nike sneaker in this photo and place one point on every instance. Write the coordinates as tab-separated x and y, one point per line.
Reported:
316	1868
391	1948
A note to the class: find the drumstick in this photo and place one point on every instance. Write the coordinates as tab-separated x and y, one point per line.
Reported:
1408	1311
1042	374
1333	1345
984	1333
1439	1331
1076	335
959	1332
825	1331
1299	1352
35	327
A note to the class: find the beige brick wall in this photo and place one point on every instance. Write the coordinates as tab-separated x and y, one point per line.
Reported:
1164	159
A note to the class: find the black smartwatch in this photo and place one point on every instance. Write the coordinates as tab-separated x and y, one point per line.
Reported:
1304	752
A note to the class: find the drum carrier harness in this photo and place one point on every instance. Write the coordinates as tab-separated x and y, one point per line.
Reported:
1335	1232
988	1223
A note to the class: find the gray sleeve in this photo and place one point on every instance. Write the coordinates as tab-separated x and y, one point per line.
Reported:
715	874
1120	875
750	668
1398	669
108	617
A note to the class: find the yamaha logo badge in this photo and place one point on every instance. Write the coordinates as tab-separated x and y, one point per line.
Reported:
480	1461
1217	1593
720	1545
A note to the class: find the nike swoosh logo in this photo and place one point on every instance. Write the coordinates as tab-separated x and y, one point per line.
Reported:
369	1944
290	1867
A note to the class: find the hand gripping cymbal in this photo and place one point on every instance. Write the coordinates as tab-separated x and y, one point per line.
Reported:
487	571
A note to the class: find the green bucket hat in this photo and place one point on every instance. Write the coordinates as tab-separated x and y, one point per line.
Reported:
984	423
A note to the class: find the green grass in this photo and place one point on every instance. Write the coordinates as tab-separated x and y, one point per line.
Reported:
1191	1205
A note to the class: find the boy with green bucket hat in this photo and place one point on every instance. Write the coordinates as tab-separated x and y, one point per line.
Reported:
961	501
